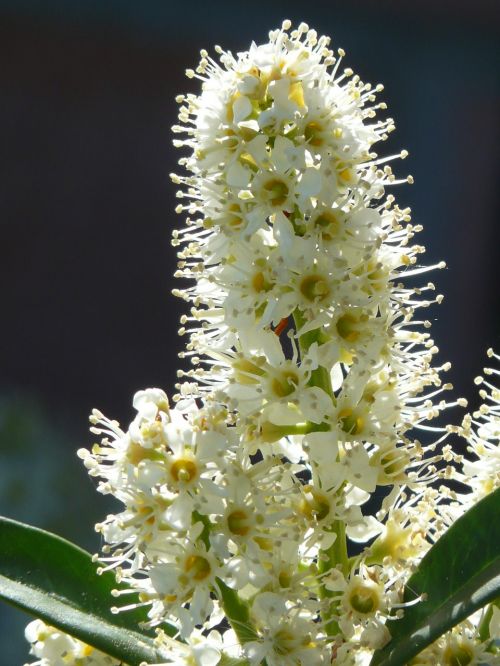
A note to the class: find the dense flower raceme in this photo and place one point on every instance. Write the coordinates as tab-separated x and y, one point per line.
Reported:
302	428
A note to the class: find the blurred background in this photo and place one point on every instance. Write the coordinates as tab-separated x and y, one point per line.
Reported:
87	93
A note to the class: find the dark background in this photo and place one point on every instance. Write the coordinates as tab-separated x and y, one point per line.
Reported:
86	206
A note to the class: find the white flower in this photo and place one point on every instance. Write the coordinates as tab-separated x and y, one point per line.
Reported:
162	469
287	635
187	578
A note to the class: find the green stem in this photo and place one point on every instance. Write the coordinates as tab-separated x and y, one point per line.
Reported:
333	556
320	376
270	432
337	553
236	610
232	661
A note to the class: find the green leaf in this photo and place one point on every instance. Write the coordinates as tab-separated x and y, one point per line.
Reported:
56	581
459	575
237	613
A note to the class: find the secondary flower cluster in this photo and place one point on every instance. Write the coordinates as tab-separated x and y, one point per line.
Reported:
55	648
293	439
482	431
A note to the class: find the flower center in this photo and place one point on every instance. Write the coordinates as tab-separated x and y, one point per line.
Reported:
375	276
350	422
137	453
284	384
458	655
392	464
313	133
231	218
314	505
264	543
287	641
284	642
275	191
184	470
346	174
238	522
197	567
364	600
248	372
284	578
347	327
328	224
314	288
259	283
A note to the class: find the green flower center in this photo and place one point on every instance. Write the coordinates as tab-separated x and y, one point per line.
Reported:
458	655
328	224
347	327
275	191
259	283
314	506
197	567
350	422
312	133
238	522
364	600
284	384
284	642
314	288
184	470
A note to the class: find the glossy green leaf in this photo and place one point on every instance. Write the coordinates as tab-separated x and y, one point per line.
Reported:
459	575
56	581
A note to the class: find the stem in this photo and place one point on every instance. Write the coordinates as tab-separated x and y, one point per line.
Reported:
337	553
236	610
232	661
320	376
271	432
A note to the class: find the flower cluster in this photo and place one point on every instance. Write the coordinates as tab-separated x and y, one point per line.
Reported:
482	431
462	646
295	482
301	326
306	354
55	648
